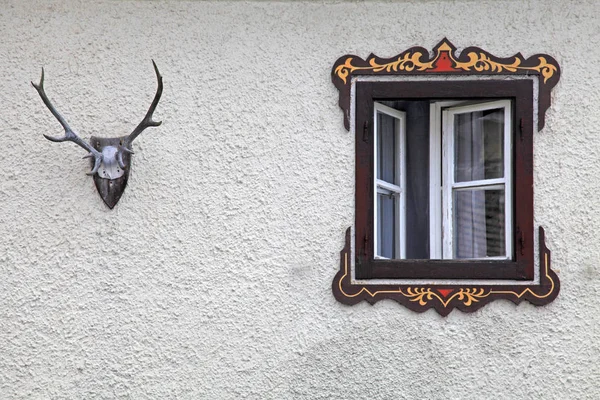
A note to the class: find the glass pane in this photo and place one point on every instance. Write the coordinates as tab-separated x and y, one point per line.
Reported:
479	224
479	145
416	188
386	151
386	221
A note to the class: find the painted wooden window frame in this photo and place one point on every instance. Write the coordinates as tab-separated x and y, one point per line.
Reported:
366	266
446	284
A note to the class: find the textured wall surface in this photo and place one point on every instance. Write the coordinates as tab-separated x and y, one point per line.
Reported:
211	278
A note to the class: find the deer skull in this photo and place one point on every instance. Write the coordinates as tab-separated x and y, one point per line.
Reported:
111	157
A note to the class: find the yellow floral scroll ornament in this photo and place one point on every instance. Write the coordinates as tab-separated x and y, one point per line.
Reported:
408	62
480	62
466	296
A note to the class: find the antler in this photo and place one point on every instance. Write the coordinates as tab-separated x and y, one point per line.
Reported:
70	135
147	121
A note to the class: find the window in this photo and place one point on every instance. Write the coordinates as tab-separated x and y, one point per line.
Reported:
444	178
437	173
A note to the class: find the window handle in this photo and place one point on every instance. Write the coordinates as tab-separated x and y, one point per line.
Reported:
521	241
521	128
522	245
366	132
362	253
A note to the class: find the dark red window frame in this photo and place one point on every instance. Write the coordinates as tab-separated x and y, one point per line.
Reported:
520	92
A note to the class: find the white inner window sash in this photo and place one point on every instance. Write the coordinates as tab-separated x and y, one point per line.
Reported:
436	177
477	181
389	208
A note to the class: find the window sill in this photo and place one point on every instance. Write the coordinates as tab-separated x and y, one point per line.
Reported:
443	269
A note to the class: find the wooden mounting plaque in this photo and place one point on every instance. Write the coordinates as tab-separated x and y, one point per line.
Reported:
111	190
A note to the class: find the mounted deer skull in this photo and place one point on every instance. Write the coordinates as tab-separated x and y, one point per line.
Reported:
111	157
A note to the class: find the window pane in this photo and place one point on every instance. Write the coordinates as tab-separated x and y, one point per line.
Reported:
386	221
415	161
479	226
479	145
386	139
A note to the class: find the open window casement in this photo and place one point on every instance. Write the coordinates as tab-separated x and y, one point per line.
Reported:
477	182
389	207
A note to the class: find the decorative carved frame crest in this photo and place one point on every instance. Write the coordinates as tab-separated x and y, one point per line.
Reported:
438	295
471	61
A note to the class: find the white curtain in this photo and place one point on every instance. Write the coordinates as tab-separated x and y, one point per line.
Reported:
470	229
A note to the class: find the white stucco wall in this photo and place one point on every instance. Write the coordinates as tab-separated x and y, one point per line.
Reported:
211	278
